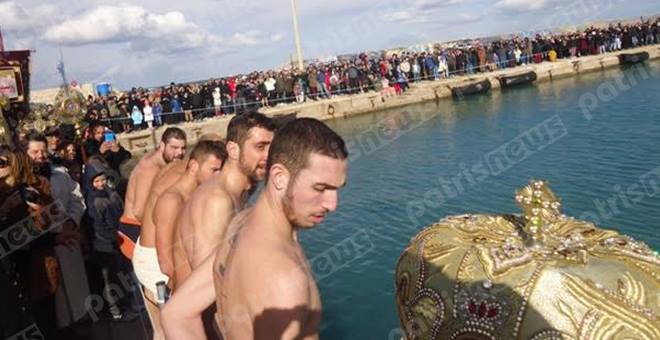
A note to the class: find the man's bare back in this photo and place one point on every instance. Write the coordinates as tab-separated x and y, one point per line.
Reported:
203	222
139	185
264	287
167	212
165	179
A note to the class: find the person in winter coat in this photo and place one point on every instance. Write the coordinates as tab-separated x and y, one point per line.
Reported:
148	114
158	113
104	208
217	101
136	116
177	108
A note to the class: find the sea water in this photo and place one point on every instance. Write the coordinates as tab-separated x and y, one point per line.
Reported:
594	137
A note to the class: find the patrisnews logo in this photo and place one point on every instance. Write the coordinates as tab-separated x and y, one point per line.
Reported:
30	333
26	230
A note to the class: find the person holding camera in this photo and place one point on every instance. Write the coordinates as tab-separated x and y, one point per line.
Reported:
104	143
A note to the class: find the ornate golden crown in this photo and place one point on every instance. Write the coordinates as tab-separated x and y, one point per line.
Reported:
541	275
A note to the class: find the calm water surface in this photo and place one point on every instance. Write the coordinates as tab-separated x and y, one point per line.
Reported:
437	159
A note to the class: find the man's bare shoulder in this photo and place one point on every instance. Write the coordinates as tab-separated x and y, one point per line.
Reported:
145	167
283	281
211	193
273	260
173	169
169	198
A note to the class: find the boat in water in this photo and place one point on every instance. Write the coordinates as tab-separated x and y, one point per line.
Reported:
539	275
633	58
518	79
479	87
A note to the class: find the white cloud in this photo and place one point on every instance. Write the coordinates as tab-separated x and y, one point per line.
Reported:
14	17
118	23
423	11
249	38
277	37
521	5
398	16
144	31
437	5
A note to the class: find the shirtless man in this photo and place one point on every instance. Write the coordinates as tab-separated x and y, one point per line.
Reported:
172	147
213	205
207	214
264	286
167	177
206	159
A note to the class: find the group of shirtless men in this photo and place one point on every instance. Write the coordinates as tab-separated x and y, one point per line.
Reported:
235	272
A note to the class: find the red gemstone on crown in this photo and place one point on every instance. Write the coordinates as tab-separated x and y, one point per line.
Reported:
482	310
472	307
492	312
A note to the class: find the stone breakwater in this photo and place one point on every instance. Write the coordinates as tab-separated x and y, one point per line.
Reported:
346	106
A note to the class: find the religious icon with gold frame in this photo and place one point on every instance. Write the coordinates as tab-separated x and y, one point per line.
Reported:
11	83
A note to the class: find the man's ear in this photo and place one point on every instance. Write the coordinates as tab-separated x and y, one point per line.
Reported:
192	165
161	146
279	176
233	150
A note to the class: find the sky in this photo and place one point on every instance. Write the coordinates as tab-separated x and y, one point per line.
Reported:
153	42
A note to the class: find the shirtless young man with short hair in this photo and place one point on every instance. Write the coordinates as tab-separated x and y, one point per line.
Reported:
205	218
206	160
214	203
154	174
264	286
172	147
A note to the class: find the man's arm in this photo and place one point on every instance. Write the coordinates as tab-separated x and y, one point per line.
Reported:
165	215
129	200
141	192
218	212
285	311
182	315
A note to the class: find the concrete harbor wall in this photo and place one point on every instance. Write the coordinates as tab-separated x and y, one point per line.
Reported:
346	106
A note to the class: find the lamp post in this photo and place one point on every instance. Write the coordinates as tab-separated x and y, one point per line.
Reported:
296	34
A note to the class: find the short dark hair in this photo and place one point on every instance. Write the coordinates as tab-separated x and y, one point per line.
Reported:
301	137
207	148
239	127
173	132
34	136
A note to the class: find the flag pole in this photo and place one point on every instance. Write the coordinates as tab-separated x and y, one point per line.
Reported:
296	34
2	42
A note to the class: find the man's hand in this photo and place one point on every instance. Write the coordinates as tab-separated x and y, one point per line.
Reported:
182	315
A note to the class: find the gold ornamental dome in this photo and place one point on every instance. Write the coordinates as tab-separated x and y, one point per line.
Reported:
540	275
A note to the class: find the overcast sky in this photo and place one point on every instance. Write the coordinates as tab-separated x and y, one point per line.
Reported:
153	42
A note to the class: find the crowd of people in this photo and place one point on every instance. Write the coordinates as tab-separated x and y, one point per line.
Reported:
381	72
180	223
73	228
55	212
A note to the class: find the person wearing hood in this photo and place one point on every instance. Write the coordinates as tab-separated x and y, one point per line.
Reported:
136	116
105	207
